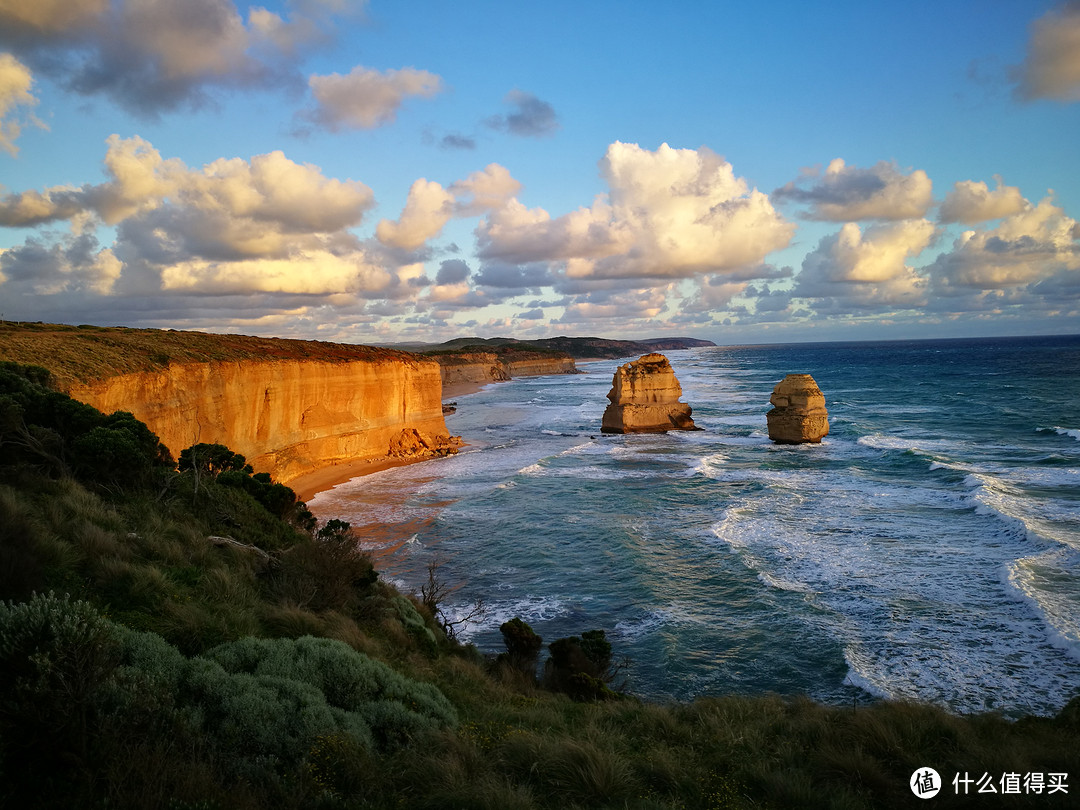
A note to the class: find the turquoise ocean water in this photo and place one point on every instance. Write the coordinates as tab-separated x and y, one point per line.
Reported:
929	548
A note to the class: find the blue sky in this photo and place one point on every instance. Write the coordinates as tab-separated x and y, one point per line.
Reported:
379	172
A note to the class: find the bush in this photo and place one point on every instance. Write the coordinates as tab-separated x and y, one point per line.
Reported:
581	667
350	680
55	657
522	647
327	572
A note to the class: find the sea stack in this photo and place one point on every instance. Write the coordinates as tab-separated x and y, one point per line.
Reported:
645	399
798	415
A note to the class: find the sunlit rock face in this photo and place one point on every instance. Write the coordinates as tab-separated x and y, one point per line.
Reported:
798	415
288	418
645	399
487	367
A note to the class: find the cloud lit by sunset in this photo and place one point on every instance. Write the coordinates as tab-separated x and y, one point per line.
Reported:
397	171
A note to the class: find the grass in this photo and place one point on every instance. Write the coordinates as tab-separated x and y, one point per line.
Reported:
81	354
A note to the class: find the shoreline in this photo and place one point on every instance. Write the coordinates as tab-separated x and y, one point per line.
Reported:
308	485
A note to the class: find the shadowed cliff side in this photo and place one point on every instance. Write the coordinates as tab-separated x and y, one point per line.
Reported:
290	406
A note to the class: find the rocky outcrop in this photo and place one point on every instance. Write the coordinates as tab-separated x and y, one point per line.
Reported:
645	399
798	415
486	367
288	417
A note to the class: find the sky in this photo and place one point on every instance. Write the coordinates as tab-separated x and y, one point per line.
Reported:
380	172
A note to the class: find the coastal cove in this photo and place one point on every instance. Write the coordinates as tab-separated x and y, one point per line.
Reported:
928	549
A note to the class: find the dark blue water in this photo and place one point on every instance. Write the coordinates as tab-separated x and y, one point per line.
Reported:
929	548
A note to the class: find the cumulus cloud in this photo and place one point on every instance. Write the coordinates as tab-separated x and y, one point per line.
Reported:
430	206
1033	245
75	264
972	202
317	272
365	98
515	277
154	56
1051	67
532	117
266	225
672	213
427	209
483	190
626	306
868	270
452	271
847	194
35	19
228	201
15	101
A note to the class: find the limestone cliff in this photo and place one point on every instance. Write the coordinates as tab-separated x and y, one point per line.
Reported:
645	399
485	367
291	407
798	415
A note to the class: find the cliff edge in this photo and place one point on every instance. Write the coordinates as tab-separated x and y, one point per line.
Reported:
291	407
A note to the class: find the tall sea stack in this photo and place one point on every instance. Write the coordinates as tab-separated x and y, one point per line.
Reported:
645	399
798	415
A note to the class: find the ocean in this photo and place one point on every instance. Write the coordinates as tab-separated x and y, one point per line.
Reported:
927	549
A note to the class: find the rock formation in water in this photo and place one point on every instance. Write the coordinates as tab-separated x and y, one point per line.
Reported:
645	399
798	415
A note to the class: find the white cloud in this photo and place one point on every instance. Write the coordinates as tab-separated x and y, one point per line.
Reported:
1033	245
365	98
314	273
1051	68
672	213
152	56
15	98
868	270
972	202
847	194
484	190
427	209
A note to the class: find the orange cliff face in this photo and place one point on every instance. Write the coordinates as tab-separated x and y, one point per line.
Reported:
288	417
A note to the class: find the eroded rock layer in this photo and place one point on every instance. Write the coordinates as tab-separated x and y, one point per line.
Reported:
486	367
798	415
645	399
288	418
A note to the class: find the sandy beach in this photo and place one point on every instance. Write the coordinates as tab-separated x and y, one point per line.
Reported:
311	484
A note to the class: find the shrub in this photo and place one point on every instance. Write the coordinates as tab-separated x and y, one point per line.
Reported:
328	572
581	667
350	680
522	647
212	459
55	656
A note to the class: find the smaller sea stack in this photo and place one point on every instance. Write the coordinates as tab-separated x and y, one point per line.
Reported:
798	415
645	399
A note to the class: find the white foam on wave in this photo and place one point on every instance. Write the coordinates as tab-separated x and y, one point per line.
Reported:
1074	433
530	609
1005	497
1050	583
656	618
919	614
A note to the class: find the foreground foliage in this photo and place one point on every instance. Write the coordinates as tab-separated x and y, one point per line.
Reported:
191	639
